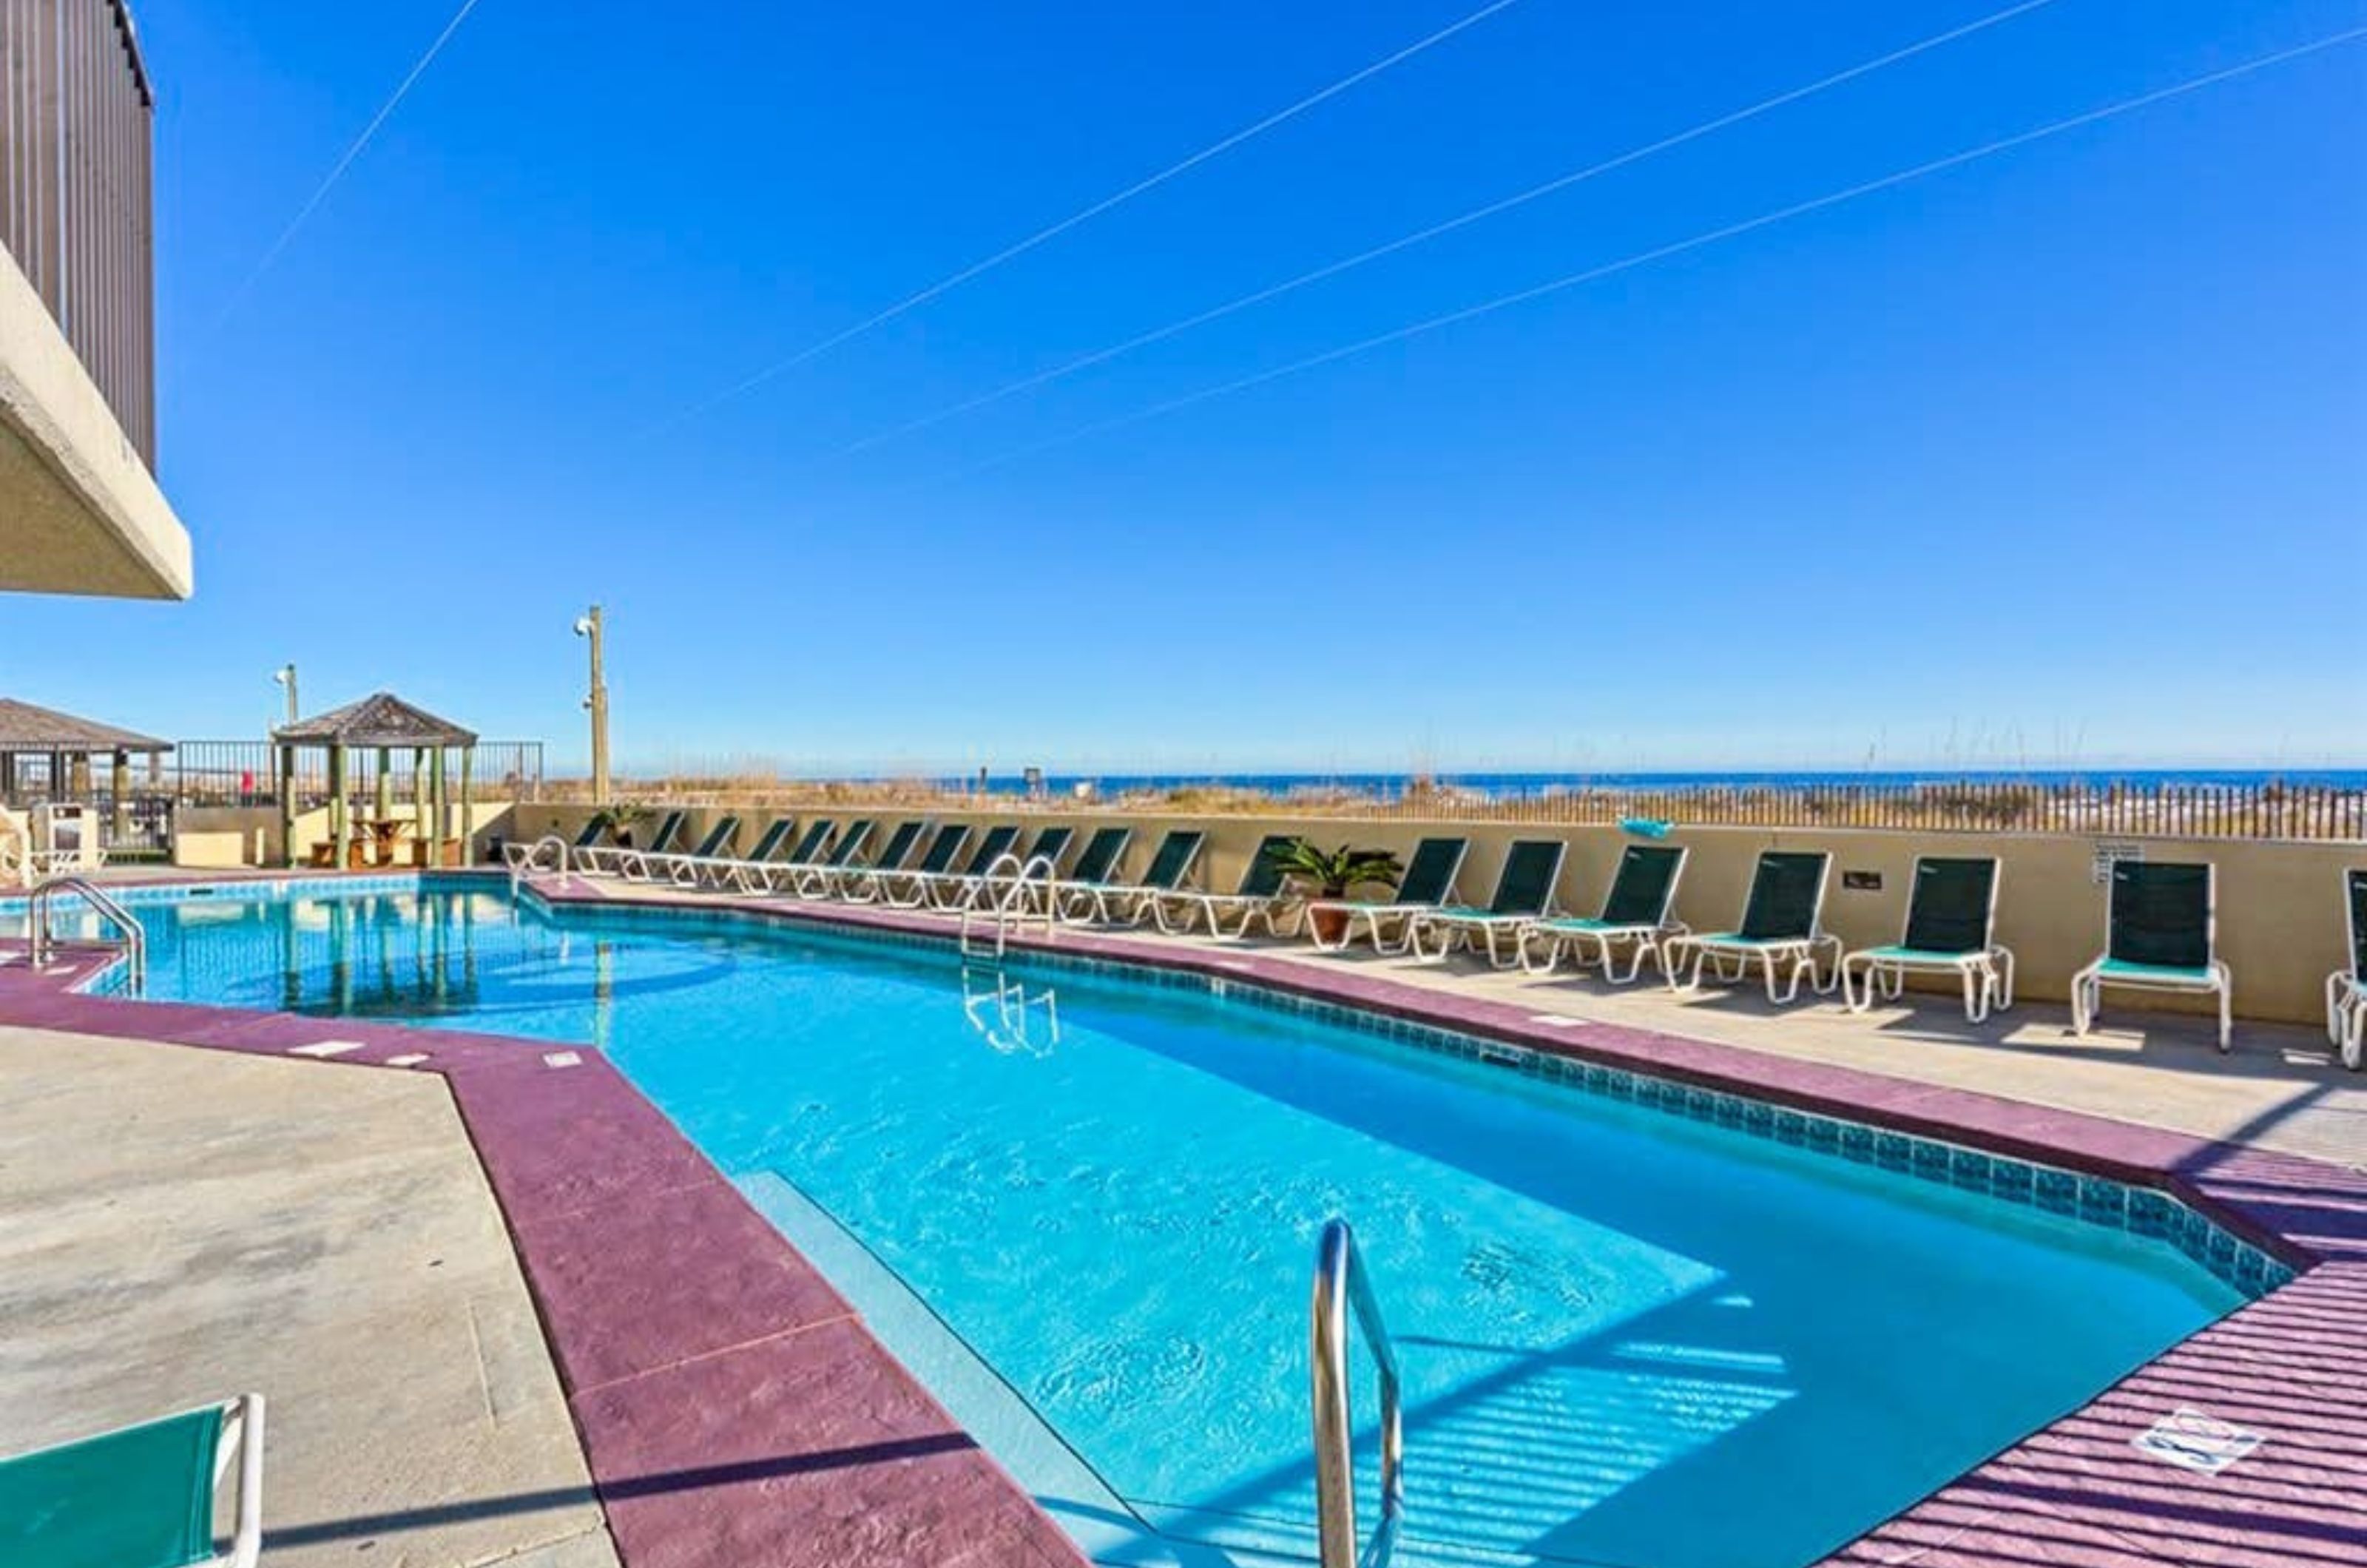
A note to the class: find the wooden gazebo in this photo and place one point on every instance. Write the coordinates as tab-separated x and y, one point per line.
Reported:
385	724
66	745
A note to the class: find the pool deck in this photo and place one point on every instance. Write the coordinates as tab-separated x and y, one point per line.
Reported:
732	1408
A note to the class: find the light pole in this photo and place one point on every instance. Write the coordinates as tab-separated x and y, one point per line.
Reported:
286	676
587	626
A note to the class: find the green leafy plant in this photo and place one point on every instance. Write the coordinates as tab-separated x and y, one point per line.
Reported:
1334	874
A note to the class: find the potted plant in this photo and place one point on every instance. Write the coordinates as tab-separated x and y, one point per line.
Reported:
1333	875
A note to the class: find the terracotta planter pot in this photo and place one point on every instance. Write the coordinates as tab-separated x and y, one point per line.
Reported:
1329	925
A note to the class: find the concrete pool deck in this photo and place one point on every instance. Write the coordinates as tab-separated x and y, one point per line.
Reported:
687	1346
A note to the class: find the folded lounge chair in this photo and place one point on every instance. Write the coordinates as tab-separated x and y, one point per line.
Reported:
764	872
2346	989
1635	916
862	884
1951	929
688	870
905	888
1264	893
818	879
2162	930
1096	865
1428	883
139	1496
1130	903
957	890
1781	923
1524	895
642	865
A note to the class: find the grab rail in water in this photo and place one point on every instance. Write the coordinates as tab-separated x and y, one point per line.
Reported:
40	939
1342	1286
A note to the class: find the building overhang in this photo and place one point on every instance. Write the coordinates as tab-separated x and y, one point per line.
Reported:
79	511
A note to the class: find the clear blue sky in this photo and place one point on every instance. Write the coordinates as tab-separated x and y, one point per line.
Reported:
2057	456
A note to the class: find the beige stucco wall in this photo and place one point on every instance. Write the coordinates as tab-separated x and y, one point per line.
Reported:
79	511
219	837
2280	919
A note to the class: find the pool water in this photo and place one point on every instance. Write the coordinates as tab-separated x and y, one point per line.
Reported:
1627	1338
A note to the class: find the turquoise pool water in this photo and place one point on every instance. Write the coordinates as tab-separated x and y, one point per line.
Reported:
1627	1338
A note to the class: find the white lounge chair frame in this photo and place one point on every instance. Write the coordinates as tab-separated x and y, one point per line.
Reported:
2213	978
1129	903
1567	935
1987	975
1177	912
1715	950
2346	990
1374	920
1469	927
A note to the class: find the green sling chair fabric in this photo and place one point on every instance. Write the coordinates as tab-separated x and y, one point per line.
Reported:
858	833
1949	907
1640	888
722	833
1173	859
1264	876
1051	844
770	844
899	847
1786	892
943	849
993	847
1430	876
142	1498
1526	887
809	848
2160	915
1101	855
2356	881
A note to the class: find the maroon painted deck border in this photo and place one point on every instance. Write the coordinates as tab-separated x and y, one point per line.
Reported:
614	1242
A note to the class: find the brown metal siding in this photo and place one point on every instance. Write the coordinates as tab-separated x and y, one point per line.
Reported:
75	121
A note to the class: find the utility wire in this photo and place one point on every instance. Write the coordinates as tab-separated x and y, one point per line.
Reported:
1012	251
337	171
1661	252
1420	236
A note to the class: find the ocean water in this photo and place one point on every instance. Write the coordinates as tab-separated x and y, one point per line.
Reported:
1627	1338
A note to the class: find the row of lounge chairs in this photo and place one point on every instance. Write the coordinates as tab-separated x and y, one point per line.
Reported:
2160	924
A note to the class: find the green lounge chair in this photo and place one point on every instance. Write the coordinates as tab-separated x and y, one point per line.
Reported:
1051	847
2161	934
1635	915
998	845
739	870
1524	895
1781	923
861	883
817	878
139	1496
2345	988
1427	883
594	830
1264	893
690	870
638	864
1129	903
906	889
1951	929
1097	865
766	872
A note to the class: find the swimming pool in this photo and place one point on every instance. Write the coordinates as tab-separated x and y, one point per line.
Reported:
1629	1336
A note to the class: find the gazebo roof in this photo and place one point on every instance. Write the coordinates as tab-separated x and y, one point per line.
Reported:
24	727
380	719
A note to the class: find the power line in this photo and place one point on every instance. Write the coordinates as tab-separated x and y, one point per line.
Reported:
1420	236
344	162
1661	252
1085	214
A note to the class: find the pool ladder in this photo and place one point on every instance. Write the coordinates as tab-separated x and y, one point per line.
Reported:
525	859
41	940
1342	1286
1008	905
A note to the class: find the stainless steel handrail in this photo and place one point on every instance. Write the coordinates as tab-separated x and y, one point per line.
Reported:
525	859
1009	905
40	939
1341	1285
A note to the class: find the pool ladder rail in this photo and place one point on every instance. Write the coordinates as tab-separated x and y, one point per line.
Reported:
548	852
1342	1287
1003	1010
1007	889
42	941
